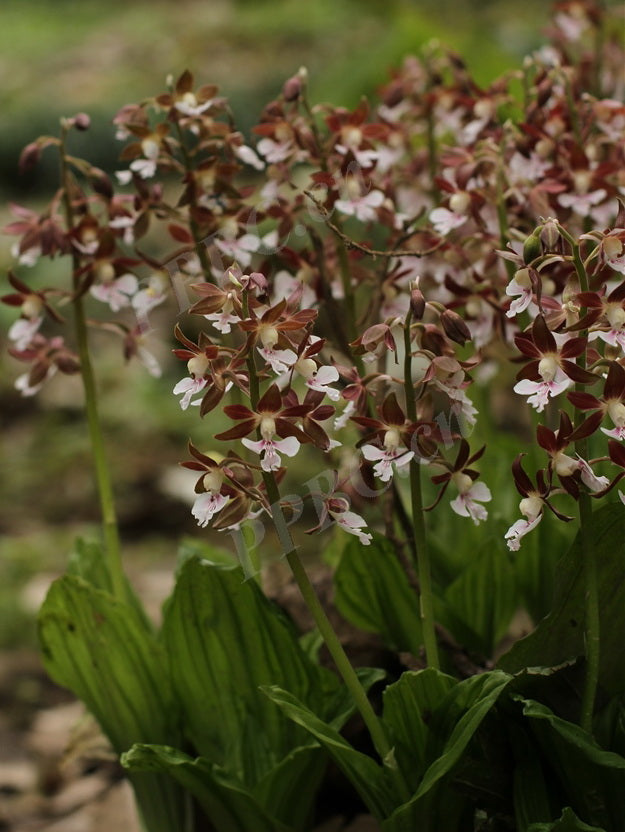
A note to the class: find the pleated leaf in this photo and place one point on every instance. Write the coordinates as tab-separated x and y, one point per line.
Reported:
568	822
370	780
229	806
592	779
99	648
373	592
560	636
481	601
451	728
224	640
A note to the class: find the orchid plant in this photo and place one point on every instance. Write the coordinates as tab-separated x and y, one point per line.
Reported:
351	286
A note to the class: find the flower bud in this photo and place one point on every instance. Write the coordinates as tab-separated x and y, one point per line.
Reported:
455	328
292	88
550	234
417	303
532	247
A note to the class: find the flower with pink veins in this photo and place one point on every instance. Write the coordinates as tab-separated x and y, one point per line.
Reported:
470	497
357	204
445	220
318	378
117	293
23	330
152	296
197	367
271	448
390	457
532	507
211	501
551	369
352	523
520	288
554	382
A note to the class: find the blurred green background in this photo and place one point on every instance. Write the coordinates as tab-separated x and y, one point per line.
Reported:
63	56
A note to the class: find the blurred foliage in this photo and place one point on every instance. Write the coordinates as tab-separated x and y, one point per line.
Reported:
115	52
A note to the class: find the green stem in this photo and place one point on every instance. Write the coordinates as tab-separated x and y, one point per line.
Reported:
591	621
200	246
101	468
420	548
592	627
324	626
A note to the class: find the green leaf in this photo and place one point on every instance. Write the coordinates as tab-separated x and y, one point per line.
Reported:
568	822
481	601
373	592
370	780
227	804
99	648
408	707
88	561
450	730
531	799
224	639
560	636
592	779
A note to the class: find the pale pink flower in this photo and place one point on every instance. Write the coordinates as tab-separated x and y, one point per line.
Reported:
445	220
280	361
275	151
152	296
117	293
532	507
189	387
386	459
249	157
271	450
359	205
354	524
520	287
470	497
321	379
24	386
582	204
23	330
538	392
206	506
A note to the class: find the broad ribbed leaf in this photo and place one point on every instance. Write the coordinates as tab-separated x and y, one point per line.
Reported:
370	780
530	795
592	779
228	805
373	592
408	707
224	639
481	601
99	648
451	728
560	636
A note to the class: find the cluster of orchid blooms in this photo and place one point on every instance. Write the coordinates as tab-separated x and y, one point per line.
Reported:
355	269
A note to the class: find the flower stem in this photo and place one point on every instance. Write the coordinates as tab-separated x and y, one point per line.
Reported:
421	551
592	627
102	474
343	665
592	631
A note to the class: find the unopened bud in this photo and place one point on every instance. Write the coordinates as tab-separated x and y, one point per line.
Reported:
550	235
455	328
292	88
532	247
417	303
82	121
